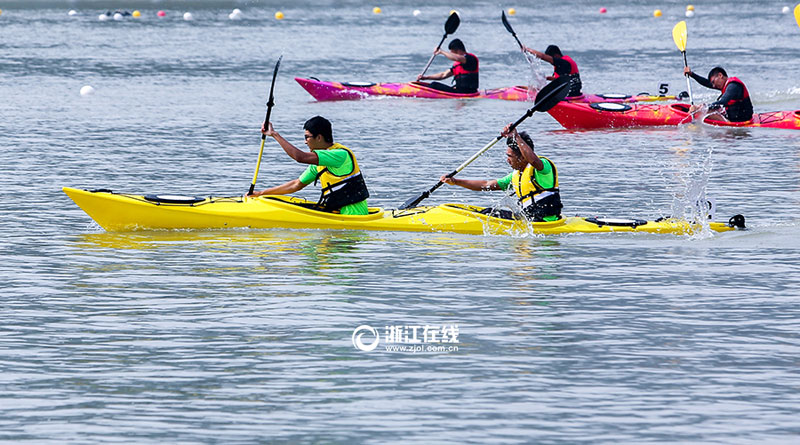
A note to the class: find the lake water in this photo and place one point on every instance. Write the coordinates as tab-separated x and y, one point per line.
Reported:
247	336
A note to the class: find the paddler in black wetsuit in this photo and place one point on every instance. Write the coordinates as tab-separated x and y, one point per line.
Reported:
464	70
562	66
734	102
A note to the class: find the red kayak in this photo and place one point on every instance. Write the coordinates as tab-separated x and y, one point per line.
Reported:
324	91
620	115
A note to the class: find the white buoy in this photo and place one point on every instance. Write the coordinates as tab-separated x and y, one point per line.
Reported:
689	13
188	16
785	10
237	11
118	16
102	17
417	12
87	90
72	12
235	15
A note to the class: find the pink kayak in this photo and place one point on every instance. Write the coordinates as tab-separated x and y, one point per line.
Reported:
616	115
324	91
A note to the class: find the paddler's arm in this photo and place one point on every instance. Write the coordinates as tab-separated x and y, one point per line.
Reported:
437	76
303	157
284	189
452	56
538	54
699	79
477	185
524	148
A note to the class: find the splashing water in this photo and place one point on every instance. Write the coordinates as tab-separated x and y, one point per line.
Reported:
537	77
690	201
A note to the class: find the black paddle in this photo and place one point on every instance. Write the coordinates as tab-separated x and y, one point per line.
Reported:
511	30
548	97
270	104
450	27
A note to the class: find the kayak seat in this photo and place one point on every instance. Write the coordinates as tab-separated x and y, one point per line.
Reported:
680	107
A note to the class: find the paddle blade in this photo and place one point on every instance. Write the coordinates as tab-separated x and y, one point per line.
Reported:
451	25
507	25
552	93
797	14
679	34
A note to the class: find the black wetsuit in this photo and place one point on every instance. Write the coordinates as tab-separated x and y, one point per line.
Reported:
740	111
465	83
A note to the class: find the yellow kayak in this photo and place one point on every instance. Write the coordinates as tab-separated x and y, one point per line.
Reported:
117	212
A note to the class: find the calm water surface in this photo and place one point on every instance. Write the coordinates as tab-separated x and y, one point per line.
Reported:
246	336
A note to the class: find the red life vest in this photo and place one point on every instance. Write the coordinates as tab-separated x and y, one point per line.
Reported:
745	95
458	69
738	110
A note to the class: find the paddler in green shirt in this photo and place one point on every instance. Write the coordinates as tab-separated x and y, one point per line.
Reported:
534	179
334	165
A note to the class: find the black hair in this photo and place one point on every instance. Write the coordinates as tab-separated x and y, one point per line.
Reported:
513	143
319	125
553	51
457	44
716	70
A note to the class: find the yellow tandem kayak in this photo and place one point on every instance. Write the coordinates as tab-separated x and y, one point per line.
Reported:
117	212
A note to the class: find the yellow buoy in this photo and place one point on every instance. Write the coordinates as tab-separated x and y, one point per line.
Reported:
657	13
376	10
512	11
136	14
278	15
690	8
1	12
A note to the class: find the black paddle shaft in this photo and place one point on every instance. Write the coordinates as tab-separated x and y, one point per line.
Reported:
271	100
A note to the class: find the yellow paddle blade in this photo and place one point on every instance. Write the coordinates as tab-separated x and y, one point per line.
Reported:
797	14
679	35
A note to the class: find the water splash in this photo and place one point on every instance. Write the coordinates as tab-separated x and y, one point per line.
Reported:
690	201
537	75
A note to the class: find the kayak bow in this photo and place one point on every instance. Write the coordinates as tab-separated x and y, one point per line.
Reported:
122	212
326	91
